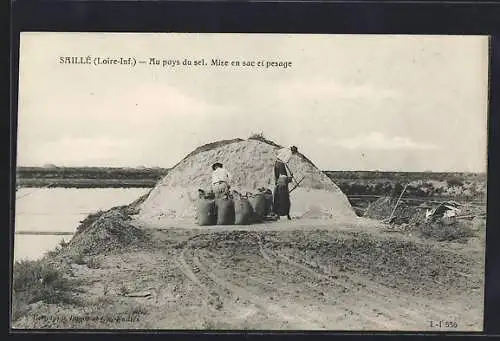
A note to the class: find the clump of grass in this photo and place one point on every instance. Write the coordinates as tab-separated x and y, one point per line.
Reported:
105	311
63	243
458	231
57	250
256	136
214	325
93	263
123	290
88	221
35	281
91	314
260	137
139	310
77	258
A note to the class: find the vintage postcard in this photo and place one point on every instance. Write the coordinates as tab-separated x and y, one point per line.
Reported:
250	182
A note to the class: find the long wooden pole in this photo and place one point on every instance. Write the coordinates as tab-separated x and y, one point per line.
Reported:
297	185
291	174
397	202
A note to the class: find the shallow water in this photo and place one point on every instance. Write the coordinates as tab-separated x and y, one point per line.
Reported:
60	210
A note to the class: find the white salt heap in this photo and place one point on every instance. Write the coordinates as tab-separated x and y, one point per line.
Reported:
251	164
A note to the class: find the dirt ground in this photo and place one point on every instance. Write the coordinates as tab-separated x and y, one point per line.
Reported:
312	275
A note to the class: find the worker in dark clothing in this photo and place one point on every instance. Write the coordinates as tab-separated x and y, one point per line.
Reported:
281	197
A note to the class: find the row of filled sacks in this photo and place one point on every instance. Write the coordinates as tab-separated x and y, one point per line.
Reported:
234	208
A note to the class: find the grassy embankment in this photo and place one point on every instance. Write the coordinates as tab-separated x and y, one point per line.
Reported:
50	282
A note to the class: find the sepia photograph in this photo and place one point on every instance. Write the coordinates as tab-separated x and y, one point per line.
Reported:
220	181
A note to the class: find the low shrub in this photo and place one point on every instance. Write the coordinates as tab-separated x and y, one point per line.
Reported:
123	290
454	182
459	231
77	258
35	281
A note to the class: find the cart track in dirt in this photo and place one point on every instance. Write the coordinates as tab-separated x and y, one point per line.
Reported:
300	305
238	272
389	302
377	305
215	283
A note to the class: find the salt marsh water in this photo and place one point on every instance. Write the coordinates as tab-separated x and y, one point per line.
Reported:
49	210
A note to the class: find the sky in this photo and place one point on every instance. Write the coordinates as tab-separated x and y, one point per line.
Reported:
348	102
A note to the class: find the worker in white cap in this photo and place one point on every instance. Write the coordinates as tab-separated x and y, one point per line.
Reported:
280	165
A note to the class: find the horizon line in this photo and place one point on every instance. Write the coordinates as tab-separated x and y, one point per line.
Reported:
140	167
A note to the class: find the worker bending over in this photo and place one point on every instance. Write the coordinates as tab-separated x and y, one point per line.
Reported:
221	180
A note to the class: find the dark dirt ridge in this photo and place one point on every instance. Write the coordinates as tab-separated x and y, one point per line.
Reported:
407	266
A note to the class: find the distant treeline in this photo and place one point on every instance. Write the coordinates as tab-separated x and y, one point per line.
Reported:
100	173
87	183
157	173
459	186
404	176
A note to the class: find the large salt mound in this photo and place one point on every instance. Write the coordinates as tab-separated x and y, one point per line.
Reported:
250	163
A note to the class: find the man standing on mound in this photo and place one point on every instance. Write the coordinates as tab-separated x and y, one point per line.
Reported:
281	197
220	180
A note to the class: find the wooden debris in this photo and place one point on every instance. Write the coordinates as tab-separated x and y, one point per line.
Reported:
139	294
